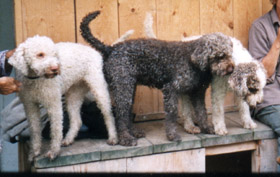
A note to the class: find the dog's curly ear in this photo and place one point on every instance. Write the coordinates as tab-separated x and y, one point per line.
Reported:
200	56
17	60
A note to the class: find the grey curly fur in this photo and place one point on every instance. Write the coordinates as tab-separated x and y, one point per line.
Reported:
174	67
245	80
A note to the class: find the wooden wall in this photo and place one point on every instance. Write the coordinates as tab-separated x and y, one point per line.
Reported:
60	19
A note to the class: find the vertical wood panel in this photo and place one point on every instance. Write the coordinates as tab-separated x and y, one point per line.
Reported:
177	19
266	6
18	22
245	12
105	26
53	18
216	16
131	16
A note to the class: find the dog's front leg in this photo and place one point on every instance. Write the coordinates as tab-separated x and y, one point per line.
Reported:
218	93
32	111
171	112
244	112
55	114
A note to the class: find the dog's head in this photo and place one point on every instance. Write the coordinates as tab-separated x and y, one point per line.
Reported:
214	52
248	81
37	56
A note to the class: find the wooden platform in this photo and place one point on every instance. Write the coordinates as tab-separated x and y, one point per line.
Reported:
156	154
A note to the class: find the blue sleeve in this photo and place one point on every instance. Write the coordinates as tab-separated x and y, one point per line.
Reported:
2	63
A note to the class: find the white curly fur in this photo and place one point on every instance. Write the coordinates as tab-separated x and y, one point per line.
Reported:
80	72
220	86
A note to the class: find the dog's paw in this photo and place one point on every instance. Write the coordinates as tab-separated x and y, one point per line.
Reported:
192	129
138	133
125	139
33	154
250	125
66	142
173	137
52	154
112	141
221	129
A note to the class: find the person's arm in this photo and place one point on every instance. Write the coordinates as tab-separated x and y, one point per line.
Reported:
260	48
8	85
270	60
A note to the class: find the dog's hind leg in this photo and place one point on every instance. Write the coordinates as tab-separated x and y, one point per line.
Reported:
198	101
74	100
123	89
171	112
99	89
33	116
188	115
244	112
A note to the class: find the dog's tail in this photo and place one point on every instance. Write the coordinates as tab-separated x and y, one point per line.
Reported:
148	26
87	35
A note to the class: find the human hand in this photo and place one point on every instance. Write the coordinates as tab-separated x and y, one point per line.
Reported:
10	53
9	85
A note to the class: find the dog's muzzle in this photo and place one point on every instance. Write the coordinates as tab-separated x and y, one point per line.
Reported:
52	72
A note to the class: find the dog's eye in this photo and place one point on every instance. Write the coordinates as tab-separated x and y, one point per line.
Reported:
40	55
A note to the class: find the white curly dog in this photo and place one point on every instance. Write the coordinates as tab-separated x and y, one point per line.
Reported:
247	82
47	71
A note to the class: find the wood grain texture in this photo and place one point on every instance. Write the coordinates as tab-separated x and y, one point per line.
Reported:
245	12
182	161
216	16
105	26
177	19
266	6
53	18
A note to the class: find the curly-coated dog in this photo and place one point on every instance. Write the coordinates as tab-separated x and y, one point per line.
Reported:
47	71
247	82
173	67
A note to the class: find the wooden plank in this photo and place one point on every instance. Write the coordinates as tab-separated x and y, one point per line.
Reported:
18	22
24	164
266	6
231	148
105	26
132	15
216	16
264	158
245	12
182	161
109	166
53	18
177	19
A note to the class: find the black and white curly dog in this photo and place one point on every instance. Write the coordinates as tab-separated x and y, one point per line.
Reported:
174	67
